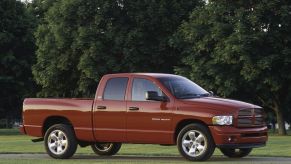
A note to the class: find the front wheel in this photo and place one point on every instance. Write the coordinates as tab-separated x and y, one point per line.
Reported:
236	153
106	149
60	141
195	143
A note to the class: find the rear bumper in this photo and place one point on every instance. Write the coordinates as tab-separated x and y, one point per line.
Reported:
22	129
231	137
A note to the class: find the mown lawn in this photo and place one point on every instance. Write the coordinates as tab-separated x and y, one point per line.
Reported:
12	142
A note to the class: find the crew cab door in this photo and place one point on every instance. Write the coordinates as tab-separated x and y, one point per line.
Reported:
148	121
109	123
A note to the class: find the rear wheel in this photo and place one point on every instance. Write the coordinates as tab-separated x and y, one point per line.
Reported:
195	143
60	141
236	153
106	149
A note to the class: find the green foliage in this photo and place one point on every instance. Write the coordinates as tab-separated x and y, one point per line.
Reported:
240	49
78	42
16	56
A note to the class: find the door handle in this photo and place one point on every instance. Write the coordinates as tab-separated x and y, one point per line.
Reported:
101	107
133	108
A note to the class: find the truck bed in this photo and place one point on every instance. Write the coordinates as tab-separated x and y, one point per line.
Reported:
37	111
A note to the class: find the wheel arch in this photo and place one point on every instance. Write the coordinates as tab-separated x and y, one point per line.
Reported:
52	120
181	124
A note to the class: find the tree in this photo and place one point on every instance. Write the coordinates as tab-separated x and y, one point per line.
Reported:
16	56
240	49
78	42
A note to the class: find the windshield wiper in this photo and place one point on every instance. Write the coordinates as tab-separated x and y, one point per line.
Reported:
205	95
193	95
189	95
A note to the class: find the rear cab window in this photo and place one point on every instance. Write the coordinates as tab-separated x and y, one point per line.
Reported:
115	88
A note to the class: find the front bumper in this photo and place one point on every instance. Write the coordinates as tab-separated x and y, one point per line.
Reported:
232	137
236	146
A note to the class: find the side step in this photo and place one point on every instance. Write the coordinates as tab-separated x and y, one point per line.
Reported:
37	140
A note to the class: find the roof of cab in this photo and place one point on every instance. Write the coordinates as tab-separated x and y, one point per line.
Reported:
156	75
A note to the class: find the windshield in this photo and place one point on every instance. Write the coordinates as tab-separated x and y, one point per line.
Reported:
183	88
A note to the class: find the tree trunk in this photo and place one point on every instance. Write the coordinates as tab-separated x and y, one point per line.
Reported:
280	121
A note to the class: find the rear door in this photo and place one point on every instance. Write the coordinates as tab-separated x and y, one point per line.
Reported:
148	121
109	111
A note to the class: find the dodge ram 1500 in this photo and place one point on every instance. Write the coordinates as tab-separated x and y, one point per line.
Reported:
146	108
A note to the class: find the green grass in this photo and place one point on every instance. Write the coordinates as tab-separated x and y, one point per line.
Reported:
12	142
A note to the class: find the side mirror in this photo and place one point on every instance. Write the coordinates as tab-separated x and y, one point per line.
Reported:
211	93
153	95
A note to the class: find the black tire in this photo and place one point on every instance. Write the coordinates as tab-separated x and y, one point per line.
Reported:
236	153
193	143
106	149
61	137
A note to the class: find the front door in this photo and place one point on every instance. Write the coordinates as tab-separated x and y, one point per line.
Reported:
148	121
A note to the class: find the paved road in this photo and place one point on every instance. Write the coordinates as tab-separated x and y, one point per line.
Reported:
250	159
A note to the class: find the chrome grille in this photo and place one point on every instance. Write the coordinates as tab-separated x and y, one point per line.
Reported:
250	118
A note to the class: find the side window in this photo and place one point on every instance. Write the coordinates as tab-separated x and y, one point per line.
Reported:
115	89
140	87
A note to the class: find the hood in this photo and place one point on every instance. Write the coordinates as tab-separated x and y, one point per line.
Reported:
219	104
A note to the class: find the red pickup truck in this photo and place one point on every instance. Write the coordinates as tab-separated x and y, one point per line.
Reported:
146	108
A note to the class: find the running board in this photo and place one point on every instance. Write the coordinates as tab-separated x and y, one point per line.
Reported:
37	140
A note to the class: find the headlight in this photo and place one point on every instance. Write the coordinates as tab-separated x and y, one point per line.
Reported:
222	120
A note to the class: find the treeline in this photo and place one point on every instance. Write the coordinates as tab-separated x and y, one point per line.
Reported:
61	48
